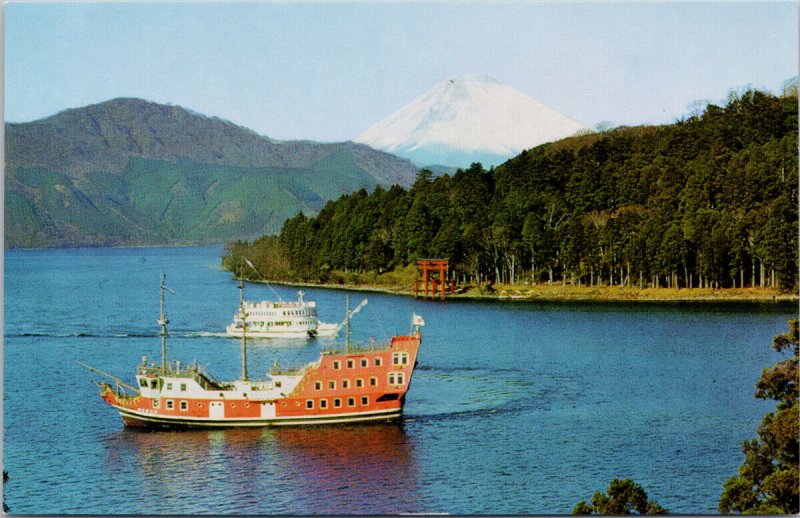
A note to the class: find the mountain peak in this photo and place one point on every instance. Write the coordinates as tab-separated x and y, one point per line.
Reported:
466	119
105	136
129	171
472	80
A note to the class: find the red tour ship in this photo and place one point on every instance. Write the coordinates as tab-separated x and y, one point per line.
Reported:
356	383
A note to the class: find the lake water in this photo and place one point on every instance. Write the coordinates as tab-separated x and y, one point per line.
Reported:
514	408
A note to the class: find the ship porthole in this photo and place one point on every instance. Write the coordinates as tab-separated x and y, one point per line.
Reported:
247	405
233	405
199	405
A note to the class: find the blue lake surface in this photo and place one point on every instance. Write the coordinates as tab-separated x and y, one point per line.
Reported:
514	408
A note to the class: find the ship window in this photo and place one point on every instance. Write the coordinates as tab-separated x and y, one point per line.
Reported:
170	404
184	405
337	364
169	386
391	378
351	401
142	383
378	362
364	400
337	403
345	384
309	403
359	382
350	364
153	384
400	359
400	378
373	381
183	387
278	384
155	403
323	403
364	362
317	385
332	385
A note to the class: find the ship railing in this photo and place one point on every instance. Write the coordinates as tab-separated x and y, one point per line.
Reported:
272	305
276	370
124	396
119	391
360	347
192	371
285	371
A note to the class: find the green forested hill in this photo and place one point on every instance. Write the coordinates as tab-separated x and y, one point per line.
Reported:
708	201
131	172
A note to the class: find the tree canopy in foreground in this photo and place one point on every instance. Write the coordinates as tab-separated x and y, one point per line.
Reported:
768	479
622	497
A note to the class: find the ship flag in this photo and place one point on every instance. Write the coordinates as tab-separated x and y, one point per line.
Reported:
417	320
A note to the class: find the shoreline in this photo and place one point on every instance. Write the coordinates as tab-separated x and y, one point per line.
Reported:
600	294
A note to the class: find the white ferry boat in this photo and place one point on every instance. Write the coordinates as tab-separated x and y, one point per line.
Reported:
268	319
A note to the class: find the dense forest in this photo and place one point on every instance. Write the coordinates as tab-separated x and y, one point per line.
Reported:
709	201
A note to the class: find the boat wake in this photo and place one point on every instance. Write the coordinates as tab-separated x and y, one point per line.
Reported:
412	417
202	334
187	334
468	392
433	368
78	335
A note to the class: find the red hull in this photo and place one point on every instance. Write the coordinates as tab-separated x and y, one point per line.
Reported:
346	387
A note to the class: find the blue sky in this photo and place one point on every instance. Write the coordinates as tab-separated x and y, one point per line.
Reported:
327	72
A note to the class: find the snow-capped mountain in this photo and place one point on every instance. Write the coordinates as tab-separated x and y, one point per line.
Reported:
465	120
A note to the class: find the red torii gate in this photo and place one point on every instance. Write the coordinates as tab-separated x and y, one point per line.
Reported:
433	266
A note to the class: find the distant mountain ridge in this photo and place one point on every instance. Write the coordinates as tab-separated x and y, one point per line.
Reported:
465	120
128	172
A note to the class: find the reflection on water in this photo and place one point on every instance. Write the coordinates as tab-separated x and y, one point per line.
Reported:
310	470
352	469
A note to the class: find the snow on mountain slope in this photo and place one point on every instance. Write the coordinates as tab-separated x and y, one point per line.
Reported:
469	119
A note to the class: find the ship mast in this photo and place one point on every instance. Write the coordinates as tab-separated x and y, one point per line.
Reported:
241	290
243	316
347	322
163	321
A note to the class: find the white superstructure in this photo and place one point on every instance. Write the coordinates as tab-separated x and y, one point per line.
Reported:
268	319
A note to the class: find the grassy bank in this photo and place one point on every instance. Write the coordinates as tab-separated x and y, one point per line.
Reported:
401	282
558	292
